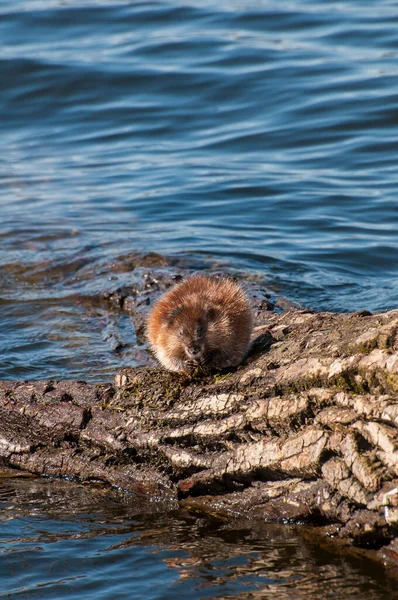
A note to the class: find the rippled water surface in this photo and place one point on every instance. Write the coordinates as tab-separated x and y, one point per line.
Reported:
255	136
106	549
259	135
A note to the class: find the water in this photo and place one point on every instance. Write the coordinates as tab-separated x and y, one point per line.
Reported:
106	549
253	135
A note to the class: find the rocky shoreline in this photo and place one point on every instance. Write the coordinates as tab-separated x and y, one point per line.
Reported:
305	431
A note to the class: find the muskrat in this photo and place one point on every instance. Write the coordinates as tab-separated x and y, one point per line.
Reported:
202	321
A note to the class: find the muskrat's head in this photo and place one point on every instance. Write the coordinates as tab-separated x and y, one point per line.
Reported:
188	329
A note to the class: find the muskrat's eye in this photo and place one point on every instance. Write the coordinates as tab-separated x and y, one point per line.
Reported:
212	314
181	332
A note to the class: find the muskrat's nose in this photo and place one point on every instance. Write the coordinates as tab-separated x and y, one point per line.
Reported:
195	351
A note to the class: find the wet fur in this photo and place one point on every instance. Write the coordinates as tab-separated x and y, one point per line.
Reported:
202	321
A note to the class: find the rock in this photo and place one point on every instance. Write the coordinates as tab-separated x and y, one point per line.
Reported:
305	430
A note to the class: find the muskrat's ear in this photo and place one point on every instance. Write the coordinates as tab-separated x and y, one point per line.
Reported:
212	313
170	317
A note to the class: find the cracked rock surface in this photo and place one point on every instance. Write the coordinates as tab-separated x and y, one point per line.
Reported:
306	430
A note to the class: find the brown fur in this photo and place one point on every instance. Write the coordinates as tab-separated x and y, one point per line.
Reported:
201	321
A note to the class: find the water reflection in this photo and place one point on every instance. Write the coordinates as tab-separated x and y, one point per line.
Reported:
67	540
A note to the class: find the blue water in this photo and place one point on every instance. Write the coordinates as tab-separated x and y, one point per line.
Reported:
100	548
253	136
263	133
